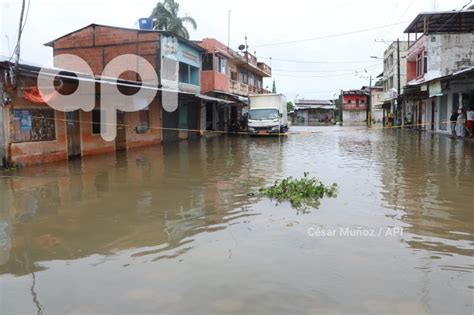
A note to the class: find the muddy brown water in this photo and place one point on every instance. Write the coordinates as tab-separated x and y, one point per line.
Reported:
172	230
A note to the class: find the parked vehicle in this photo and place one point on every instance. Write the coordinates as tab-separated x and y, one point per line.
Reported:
268	114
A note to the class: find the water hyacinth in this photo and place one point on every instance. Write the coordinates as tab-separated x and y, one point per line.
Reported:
301	193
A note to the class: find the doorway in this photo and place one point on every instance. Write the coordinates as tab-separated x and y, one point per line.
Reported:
121	139
433	114
73	128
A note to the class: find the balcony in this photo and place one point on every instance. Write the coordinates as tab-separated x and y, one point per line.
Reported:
250	63
416	47
265	68
240	88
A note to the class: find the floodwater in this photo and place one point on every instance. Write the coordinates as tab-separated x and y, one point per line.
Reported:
173	229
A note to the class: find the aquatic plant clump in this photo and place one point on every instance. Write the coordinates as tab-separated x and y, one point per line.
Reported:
301	193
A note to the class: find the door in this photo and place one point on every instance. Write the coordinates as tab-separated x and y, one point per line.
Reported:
433	114
121	139
170	125
443	113
73	134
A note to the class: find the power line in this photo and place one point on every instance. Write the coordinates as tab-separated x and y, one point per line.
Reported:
310	61
326	71
329	36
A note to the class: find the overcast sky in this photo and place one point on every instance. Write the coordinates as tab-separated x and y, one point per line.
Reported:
266	23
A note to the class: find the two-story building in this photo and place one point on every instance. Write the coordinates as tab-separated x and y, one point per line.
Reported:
394	79
34	132
354	107
231	76
376	102
440	66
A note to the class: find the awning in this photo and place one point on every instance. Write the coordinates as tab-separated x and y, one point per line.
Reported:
213	99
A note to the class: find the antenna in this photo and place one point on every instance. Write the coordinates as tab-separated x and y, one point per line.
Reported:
228	30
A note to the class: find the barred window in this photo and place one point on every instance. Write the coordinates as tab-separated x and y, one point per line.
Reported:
33	125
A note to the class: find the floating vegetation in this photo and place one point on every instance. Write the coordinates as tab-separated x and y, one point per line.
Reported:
301	193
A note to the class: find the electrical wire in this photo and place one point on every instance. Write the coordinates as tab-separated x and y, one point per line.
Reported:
21	30
324	62
327	71
329	36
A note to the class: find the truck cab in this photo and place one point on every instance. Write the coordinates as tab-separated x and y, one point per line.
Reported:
267	114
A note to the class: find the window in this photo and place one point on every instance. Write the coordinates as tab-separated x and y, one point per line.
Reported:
425	64
357	102
144	119
349	102
258	81
207	60
233	76
221	64
244	78
96	121
421	64
188	74
251	79
168	70
33	125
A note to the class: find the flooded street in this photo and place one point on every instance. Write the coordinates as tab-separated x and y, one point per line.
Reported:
173	229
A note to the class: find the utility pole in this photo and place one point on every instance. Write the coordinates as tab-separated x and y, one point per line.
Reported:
17	48
228	31
398	78
369	105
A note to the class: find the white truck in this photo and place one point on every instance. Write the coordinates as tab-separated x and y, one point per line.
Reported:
267	114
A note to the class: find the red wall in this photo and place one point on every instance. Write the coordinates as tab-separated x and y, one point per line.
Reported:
411	70
352	106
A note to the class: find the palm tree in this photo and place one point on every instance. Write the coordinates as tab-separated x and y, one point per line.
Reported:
165	17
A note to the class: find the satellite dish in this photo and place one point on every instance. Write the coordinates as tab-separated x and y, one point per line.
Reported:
241	47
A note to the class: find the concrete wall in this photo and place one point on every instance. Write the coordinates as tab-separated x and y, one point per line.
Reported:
390	69
448	53
29	153
153	135
2	125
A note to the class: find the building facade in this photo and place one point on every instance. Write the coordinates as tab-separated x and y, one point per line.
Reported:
231	76
36	133
354	107
440	65
377	105
309	112
394	79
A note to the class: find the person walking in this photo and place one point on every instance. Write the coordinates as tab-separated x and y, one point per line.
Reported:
453	119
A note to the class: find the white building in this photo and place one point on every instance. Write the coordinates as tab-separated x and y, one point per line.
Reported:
440	68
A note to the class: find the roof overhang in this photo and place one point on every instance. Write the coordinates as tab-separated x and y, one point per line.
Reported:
188	42
443	22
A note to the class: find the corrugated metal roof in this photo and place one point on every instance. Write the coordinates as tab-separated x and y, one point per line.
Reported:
443	22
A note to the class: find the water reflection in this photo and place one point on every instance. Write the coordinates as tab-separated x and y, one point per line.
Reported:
148	229
430	178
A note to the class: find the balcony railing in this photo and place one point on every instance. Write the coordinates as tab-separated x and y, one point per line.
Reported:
265	68
245	89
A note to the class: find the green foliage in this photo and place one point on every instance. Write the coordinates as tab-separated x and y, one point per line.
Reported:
301	193
289	106
165	17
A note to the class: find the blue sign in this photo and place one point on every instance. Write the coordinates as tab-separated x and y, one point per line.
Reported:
24	116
